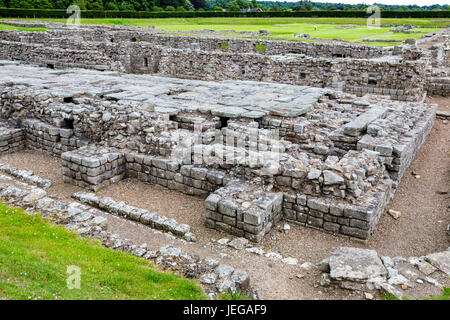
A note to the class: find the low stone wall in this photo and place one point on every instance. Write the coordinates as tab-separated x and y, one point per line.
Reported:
139	215
50	139
339	218
398	79
11	139
26	176
243	210
404	154
93	168
438	86
188	179
88	221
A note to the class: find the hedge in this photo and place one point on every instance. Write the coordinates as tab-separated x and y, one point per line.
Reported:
47	13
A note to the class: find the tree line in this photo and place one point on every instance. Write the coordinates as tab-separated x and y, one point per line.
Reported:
205	5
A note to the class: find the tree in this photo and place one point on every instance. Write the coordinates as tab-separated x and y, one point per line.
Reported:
186	4
2	4
233	6
22	4
198	4
243	4
170	8
95	6
111	6
126	6
59	5
275	7
80	3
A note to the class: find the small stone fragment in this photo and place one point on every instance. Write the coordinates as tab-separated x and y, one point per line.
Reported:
394	213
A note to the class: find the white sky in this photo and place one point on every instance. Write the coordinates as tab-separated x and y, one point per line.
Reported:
391	2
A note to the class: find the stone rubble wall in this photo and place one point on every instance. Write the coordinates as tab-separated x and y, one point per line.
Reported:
404	153
438	86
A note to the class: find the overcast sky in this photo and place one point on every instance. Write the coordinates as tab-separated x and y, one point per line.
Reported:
392	2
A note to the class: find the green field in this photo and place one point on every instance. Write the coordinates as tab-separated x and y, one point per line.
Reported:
280	28
6	27
34	256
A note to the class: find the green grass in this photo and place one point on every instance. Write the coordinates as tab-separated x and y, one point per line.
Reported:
260	47
7	27
445	296
224	46
280	28
34	256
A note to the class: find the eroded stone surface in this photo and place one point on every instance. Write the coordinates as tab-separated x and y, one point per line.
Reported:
355	264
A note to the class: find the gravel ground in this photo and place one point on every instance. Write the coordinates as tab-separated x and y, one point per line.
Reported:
419	230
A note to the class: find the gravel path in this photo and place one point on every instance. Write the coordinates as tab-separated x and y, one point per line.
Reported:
419	230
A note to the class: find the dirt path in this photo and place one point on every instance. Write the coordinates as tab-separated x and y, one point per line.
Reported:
420	229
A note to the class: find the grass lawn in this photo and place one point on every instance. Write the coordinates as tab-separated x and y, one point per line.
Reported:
7	27
35	255
445	296
280	28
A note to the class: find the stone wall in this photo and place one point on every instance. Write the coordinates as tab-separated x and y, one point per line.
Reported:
11	139
356	221
118	34
355	69
51	139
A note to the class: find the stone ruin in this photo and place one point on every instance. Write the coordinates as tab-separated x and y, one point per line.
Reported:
320	137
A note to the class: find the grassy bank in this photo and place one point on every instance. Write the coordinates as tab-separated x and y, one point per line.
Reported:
35	255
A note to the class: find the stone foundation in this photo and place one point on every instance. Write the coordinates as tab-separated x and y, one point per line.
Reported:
261	152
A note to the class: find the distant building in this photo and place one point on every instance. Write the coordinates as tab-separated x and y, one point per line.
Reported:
251	10
246	10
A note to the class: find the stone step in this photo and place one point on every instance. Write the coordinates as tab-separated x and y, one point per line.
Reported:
359	125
